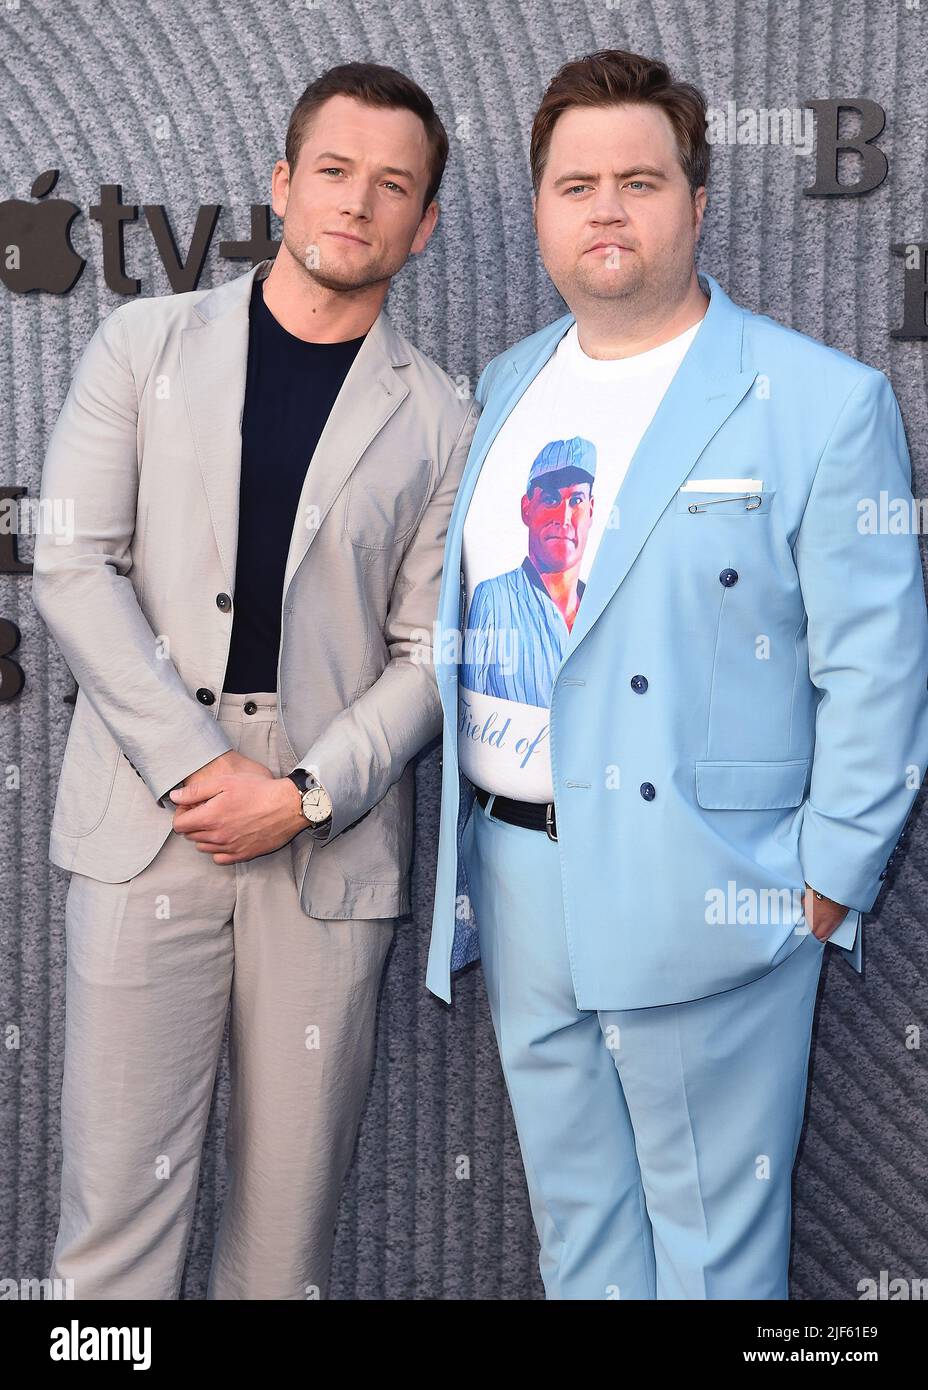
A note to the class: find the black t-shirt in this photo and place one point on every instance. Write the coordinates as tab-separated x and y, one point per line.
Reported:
290	388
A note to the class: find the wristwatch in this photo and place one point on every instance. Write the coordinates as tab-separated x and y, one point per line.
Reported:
317	805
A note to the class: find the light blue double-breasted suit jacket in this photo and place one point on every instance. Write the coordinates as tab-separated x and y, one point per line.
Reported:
782	736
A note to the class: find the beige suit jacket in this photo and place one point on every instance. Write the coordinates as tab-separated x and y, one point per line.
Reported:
147	452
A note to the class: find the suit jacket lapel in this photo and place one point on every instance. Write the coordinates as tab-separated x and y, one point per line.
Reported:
520	372
214	366
705	389
369	395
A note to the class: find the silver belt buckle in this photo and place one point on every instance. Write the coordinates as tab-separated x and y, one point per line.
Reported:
549	821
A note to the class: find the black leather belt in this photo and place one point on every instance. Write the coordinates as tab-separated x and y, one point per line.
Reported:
532	815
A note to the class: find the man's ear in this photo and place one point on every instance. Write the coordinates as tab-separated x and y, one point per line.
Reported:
280	187
699	209
425	228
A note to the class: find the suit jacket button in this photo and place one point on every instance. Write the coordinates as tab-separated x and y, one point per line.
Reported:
224	602
883	874
206	697
728	578
639	684
647	791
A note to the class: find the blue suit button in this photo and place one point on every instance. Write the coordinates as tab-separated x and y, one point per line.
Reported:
639	684
883	874
647	791
728	578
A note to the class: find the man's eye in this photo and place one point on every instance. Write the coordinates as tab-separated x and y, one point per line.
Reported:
574	186
390	184
330	171
642	183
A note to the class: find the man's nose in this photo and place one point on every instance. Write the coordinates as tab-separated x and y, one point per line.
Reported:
356	199
608	206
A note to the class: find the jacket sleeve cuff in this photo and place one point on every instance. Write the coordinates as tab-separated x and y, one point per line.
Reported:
845	933
840	861
161	781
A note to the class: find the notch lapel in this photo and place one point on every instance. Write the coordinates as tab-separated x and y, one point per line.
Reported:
214	368
706	387
369	395
522	369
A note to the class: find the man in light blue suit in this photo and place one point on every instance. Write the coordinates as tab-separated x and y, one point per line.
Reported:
738	728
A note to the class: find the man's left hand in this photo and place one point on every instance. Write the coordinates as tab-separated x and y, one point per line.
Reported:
823	915
238	816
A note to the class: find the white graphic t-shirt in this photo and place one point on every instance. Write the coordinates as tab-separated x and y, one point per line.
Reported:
538	512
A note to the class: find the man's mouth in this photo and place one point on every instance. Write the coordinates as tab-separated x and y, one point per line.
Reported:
346	236
607	246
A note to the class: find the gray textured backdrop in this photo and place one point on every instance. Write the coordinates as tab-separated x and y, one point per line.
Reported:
184	104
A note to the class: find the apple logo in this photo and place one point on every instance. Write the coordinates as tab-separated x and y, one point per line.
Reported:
35	245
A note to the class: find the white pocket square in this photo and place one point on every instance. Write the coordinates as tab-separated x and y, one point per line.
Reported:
723	485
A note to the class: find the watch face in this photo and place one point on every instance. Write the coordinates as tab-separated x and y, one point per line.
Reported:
316	805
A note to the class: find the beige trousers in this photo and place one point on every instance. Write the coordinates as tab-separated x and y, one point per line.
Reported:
153	964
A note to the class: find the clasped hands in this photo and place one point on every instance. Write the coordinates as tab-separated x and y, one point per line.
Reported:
235	809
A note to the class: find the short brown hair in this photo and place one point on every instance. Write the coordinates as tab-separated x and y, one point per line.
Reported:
376	85
613	77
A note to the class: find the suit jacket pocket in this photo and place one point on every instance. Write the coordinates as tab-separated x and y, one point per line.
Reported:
88	772
725	785
385	500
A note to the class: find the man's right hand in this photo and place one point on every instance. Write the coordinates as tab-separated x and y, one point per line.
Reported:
230	761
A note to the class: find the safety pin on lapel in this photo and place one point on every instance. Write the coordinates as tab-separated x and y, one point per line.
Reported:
752	503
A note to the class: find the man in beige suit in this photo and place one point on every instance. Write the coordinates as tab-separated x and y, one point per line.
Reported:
250	637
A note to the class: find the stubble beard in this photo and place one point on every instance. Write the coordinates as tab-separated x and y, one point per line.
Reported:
374	273
628	282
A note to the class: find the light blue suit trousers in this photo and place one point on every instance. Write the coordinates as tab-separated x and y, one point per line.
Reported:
658	1143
